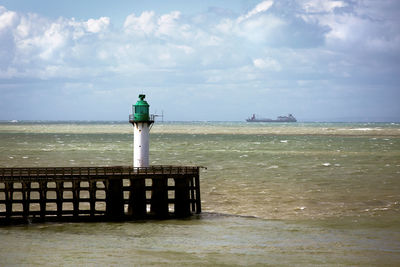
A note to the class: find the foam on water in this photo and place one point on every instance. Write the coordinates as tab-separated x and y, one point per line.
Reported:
213	128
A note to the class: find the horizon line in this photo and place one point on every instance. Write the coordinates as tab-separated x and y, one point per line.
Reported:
178	121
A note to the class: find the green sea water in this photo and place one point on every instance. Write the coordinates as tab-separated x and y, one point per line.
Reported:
272	194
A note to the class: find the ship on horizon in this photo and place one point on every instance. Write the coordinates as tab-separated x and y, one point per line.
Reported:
288	118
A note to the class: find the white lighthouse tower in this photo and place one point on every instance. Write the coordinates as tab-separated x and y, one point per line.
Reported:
141	122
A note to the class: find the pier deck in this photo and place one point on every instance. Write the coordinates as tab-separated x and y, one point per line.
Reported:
98	193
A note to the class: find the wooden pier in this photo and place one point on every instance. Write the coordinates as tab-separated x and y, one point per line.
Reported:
98	193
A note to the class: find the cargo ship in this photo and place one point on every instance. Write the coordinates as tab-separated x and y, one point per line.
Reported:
288	118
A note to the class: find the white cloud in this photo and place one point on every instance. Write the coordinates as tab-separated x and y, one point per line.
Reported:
260	29
52	39
369	26
97	25
225	26
172	42
255	26
7	18
168	23
24	28
186	49
144	24
272	46
312	6
48	48
261	7
267	64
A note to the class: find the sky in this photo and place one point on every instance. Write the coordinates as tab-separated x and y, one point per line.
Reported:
321	60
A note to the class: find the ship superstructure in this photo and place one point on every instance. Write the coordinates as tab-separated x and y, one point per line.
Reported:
288	118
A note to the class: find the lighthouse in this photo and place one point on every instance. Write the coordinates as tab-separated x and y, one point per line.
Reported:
141	121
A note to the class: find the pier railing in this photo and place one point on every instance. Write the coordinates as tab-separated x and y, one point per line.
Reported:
98	193
60	172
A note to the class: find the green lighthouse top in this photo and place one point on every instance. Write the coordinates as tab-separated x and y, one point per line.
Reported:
141	109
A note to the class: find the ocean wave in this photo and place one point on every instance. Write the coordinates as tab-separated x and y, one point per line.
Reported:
367	129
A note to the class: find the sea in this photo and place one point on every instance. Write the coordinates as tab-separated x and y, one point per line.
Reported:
273	194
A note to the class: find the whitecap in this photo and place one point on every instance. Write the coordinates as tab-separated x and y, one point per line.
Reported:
382	209
25	157
326	164
273	167
366	129
11	157
284	141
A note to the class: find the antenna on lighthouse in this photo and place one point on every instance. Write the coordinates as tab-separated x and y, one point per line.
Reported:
141	121
155	115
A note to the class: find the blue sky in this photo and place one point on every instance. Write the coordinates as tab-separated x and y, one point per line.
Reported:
321	60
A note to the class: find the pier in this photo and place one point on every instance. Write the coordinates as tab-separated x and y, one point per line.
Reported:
118	193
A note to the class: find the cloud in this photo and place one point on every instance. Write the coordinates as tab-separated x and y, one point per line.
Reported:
318	6
260	29
261	7
364	37
41	48
97	25
281	52
255	26
364	21
144	24
168	23
7	18
267	63
311	38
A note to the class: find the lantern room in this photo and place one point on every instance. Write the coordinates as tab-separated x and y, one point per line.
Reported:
141	110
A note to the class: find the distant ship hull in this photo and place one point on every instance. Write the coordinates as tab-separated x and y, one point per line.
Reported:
288	118
269	120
